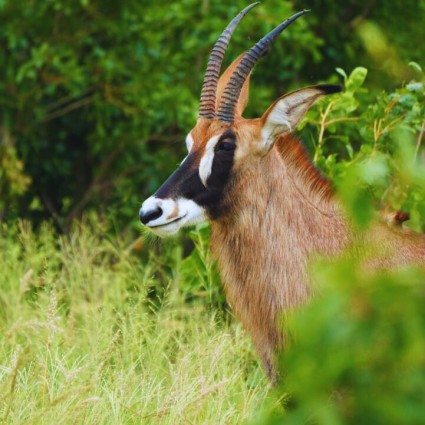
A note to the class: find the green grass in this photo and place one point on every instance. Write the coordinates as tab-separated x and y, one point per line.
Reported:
87	337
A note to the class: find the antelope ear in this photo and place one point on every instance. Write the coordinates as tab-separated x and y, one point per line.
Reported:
286	112
222	83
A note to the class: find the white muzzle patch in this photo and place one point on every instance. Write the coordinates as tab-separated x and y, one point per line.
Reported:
176	214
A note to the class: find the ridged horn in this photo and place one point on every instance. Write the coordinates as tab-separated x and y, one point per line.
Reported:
229	99
209	86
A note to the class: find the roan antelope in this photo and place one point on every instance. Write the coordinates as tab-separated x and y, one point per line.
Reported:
270	209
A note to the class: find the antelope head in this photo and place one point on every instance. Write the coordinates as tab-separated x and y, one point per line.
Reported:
223	144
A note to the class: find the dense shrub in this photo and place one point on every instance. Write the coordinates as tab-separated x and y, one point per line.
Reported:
358	357
96	97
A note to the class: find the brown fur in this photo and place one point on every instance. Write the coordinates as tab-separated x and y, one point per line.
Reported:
281	216
278	213
282	213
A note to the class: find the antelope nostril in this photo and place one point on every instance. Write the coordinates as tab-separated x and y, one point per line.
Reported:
147	216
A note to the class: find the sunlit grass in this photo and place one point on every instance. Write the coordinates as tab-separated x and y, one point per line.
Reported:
82	343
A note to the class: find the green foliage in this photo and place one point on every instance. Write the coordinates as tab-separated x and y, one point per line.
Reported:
99	96
358	350
13	181
198	273
373	153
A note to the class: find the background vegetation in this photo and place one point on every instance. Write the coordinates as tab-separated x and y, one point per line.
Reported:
99	324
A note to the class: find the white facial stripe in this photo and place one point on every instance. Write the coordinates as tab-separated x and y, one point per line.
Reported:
205	165
189	146
176	214
189	142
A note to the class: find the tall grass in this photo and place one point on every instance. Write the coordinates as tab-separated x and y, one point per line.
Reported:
84	340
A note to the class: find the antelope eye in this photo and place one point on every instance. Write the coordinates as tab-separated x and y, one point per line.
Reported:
226	145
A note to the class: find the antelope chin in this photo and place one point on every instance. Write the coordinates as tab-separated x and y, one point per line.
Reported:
177	214
168	229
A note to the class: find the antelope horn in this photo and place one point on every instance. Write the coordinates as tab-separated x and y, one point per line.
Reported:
209	86
229	99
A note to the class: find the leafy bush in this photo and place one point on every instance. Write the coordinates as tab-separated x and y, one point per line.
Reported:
358	350
373	152
97	97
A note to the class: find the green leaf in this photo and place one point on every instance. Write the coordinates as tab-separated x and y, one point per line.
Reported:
356	79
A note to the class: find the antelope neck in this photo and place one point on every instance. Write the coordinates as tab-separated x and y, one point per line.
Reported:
276	216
